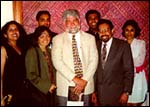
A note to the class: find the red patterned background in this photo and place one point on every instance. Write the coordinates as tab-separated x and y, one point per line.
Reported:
117	11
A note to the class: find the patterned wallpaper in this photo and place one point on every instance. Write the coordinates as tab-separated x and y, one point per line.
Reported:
117	11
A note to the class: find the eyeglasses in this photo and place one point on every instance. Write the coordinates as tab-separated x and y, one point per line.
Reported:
104	30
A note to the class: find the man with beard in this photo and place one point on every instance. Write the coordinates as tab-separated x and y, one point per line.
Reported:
115	72
92	18
68	73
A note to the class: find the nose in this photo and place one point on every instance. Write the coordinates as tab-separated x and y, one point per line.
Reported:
14	31
103	31
72	23
129	32
93	20
46	23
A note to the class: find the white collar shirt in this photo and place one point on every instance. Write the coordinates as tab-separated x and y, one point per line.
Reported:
109	42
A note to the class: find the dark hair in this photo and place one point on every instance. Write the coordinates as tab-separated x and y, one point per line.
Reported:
21	42
134	24
37	33
41	13
102	21
92	12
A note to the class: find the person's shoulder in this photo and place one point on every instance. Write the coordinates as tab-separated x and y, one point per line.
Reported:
87	34
3	52
59	36
31	50
30	37
139	41
30	34
53	33
3	49
120	41
88	31
49	49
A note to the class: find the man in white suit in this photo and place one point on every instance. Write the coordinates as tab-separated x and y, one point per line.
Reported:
62	57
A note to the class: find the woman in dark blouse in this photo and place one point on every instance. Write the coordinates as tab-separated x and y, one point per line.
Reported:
13	50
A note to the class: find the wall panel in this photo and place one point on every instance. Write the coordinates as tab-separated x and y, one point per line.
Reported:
117	11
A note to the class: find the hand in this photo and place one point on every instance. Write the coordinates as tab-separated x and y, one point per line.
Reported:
52	88
124	99
94	99
80	85
77	90
2	102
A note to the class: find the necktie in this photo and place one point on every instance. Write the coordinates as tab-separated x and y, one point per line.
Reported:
76	59
104	52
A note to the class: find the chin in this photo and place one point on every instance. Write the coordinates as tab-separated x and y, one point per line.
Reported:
73	31
104	40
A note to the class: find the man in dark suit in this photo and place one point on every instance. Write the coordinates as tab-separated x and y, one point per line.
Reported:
114	77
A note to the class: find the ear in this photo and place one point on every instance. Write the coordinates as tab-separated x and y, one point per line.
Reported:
113	31
37	24
5	35
98	33
64	22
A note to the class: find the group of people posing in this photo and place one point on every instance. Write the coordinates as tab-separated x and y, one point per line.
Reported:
112	71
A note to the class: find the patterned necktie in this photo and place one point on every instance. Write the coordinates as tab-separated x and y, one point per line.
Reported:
104	52
76	59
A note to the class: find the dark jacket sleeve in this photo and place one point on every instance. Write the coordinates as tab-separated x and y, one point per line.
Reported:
128	69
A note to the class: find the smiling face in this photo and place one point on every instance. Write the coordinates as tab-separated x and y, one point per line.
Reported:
72	24
44	39
105	33
12	33
92	20
129	32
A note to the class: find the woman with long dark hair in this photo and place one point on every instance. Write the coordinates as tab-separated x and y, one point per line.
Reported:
13	50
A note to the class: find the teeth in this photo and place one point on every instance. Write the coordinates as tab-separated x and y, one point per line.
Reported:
93	23
45	41
14	35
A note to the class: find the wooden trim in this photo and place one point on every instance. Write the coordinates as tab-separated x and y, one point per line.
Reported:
17	11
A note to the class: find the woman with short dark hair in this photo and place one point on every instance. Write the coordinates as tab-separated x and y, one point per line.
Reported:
131	31
40	70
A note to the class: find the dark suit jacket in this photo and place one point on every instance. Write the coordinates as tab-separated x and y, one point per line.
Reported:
95	35
117	75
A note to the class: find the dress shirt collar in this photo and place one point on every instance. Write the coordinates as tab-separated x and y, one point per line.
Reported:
77	37
108	42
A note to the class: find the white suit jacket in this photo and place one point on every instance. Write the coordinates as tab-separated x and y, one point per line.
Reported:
62	59
138	48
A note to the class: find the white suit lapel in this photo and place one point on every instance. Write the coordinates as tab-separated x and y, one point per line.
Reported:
83	49
67	51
